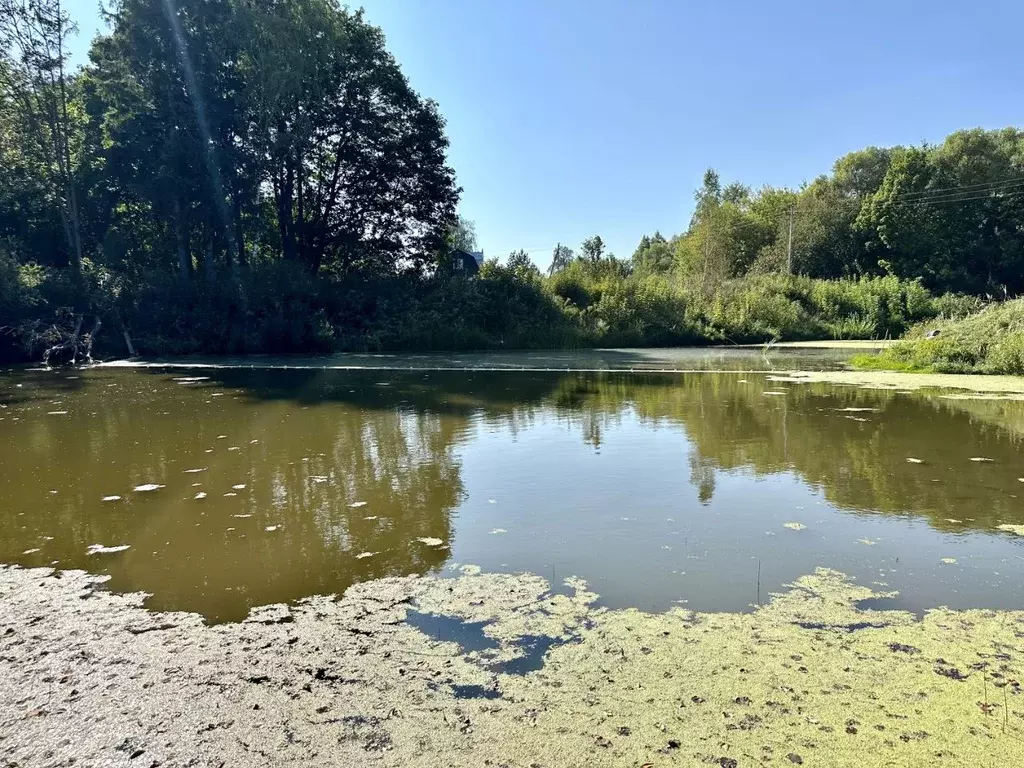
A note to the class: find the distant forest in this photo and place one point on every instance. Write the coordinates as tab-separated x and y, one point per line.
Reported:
259	176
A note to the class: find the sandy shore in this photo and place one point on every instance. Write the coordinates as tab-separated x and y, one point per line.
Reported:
92	678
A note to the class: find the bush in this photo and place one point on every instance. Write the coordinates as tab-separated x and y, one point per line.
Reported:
278	307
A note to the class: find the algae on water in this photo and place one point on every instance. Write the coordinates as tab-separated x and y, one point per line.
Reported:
808	678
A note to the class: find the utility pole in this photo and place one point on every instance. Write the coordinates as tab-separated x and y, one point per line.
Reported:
789	248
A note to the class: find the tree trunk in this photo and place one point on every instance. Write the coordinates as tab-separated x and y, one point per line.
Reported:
239	234
208	265
90	338
76	230
181	237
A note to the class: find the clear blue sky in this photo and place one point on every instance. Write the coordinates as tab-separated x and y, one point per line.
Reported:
574	117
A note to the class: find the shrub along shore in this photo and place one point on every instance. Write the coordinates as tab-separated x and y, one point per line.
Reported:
274	308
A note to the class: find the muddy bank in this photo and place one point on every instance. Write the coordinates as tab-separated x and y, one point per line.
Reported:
92	678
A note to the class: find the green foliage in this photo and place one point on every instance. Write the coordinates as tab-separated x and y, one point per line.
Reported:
761	308
988	341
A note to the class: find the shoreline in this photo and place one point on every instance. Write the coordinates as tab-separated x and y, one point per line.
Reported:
807	678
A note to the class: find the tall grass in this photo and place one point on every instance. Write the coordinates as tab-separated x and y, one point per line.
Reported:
990	340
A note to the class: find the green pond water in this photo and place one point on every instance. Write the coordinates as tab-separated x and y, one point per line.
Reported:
662	478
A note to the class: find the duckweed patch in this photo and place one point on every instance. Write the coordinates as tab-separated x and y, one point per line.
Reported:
808	678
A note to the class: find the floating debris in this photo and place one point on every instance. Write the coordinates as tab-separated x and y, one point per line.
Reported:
233	448
492	501
111	498
430	541
363	555
498	530
948	560
471	570
99	549
953	520
357	504
1017	529
855	418
200	495
912	460
57	413
318	478
271	528
194	471
239	487
794	526
147	487
31	551
773	393
230	493
858	410
869	542
241	515
222	437
980	458
253	442
370	517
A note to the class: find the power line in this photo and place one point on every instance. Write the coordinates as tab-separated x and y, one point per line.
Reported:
954	195
986	196
504	252
964	188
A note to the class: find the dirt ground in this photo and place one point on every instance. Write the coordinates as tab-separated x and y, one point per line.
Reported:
92	678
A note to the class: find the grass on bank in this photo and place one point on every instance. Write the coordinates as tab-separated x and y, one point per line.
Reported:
990	341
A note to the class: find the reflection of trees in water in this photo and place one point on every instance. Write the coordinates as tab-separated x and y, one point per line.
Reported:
303	470
857	458
327	440
702	475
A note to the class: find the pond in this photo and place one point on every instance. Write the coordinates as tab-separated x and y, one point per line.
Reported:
218	488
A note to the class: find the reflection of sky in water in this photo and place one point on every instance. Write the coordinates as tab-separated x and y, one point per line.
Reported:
640	536
656	488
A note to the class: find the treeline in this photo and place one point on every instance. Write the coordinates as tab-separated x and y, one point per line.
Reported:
951	215
259	176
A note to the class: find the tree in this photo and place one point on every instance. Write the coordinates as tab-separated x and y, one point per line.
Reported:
462	236
593	249
952	214
36	87
722	240
561	258
222	113
520	263
654	254
356	159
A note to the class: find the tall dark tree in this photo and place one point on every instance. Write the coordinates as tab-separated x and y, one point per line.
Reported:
37	97
355	159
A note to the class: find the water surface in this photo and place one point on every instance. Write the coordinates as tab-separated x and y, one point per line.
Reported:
658	488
